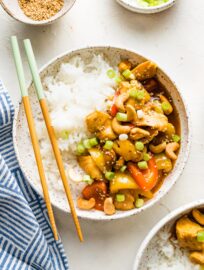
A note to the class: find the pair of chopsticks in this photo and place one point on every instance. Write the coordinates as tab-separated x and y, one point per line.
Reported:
50	129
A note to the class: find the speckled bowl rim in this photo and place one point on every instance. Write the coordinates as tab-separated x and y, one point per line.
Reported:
38	23
147	10
167	219
161	194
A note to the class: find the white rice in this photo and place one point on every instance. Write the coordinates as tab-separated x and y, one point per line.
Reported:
78	89
164	253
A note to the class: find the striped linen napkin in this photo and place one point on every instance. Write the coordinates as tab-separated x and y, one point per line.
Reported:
26	239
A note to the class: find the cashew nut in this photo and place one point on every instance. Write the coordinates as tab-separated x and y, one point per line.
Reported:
109	207
74	176
120	100
196	257
198	216
118	128
138	133
170	149
86	204
157	149
131	113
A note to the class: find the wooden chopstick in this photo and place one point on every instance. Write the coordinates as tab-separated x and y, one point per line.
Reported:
32	130
51	132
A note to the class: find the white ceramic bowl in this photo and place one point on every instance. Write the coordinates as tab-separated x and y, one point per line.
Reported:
135	7
145	253
13	9
24	149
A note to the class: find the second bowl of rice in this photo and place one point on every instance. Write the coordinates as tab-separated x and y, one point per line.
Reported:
161	250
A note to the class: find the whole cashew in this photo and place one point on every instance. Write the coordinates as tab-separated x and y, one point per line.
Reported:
138	133
196	257
198	216
157	149
170	149
118	128
120	100
131	113
109	207
86	204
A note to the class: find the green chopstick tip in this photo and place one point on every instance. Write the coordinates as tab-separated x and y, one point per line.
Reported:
19	65
34	68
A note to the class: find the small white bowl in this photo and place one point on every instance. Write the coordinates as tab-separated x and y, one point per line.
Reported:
145	252
13	9
135	7
24	149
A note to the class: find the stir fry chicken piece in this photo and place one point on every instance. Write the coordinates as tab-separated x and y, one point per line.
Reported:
186	231
127	150
127	204
138	133
96	120
119	163
98	191
101	124
106	132
152	134
109	158
154	120
90	167
145	70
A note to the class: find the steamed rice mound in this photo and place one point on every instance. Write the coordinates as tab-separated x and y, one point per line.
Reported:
78	89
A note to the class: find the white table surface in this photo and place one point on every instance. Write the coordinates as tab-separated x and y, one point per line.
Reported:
174	39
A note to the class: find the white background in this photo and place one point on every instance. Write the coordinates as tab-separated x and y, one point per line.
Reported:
175	40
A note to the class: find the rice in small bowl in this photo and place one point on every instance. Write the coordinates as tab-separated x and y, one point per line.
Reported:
75	84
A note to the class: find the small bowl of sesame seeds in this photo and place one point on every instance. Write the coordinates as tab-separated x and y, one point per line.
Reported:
37	12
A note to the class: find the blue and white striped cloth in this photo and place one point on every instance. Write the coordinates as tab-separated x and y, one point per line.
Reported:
26	239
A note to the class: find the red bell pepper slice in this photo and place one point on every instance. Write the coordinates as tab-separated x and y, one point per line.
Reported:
146	179
114	109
